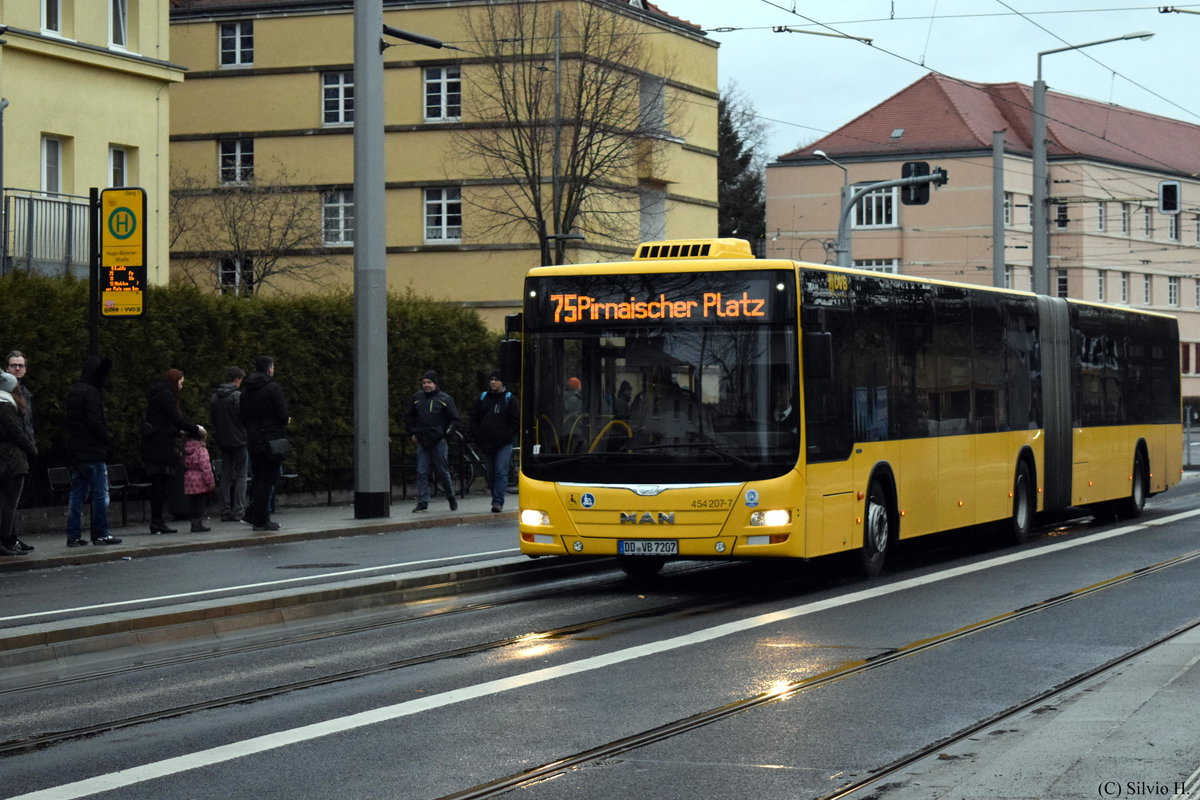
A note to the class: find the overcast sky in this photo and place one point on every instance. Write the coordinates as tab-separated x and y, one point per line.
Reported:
805	86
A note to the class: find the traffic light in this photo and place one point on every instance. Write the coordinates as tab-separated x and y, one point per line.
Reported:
917	194
1168	197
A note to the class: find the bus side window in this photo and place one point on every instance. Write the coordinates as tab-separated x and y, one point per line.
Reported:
818	355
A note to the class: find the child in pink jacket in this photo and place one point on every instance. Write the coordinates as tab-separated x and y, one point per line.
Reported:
198	478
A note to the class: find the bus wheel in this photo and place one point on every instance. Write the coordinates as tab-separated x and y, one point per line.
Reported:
1132	506
640	566
877	532
1021	522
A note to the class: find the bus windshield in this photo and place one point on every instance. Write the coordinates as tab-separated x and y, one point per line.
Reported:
661	378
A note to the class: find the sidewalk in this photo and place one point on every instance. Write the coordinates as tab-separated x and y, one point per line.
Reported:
296	523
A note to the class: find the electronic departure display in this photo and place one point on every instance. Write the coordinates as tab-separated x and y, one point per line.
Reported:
694	298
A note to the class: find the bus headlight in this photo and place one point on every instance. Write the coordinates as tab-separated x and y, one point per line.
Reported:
534	518
774	516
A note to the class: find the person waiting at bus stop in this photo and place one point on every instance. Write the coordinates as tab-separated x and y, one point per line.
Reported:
430	415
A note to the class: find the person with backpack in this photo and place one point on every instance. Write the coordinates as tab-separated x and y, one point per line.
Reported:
495	422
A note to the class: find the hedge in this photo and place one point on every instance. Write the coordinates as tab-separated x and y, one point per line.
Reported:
311	338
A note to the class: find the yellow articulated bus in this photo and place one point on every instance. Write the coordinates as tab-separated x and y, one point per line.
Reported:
696	402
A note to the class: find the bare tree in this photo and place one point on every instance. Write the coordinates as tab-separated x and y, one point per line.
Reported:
567	117
242	236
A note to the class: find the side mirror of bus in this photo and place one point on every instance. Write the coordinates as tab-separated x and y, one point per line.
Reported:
510	360
818	355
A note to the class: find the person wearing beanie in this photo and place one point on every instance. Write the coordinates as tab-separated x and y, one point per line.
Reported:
265	415
88	440
16	452
495	422
430	415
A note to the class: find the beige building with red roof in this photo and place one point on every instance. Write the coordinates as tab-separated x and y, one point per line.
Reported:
1107	239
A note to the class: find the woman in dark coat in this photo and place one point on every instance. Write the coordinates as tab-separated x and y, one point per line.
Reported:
160	443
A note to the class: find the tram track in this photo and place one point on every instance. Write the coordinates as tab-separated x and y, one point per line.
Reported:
686	606
788	689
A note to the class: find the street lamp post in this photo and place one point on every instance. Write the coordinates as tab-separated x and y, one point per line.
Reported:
372	468
1041	183
843	233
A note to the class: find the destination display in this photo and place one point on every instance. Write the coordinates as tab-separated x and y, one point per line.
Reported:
708	297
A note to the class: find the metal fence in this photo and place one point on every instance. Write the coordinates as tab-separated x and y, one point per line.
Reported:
43	232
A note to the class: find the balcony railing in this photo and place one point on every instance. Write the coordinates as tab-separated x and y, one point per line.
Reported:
43	232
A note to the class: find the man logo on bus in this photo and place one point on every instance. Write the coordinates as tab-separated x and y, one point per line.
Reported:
646	518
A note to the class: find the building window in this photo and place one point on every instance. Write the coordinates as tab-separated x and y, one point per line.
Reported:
52	16
443	215
52	165
1148	222
1197	218
652	213
652	105
235	276
876	209
443	94
337	214
1197	292
1125	287
1173	291
118	162
236	162
118	32
1173	227
1008	276
1008	209
891	265
1185	357
1100	285
1063	285
1060	215
338	98
237	43
1101	217
1125	214
1147	294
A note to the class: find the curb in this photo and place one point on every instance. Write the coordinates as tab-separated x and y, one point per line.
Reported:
191	543
52	641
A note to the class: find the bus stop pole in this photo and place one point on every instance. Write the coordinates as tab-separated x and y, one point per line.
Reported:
94	271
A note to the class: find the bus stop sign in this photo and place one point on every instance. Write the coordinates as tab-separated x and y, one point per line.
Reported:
122	252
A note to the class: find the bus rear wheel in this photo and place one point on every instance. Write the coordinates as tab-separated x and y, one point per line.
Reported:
1132	506
877	533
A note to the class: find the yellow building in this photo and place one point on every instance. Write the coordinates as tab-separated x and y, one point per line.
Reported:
268	103
83	91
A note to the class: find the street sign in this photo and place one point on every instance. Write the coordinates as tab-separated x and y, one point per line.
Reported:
122	252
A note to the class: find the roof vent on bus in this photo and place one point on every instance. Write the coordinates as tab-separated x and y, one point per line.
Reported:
694	248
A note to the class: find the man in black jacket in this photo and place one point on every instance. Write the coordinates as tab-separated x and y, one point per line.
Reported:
87	450
431	414
225	414
265	415
494	424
